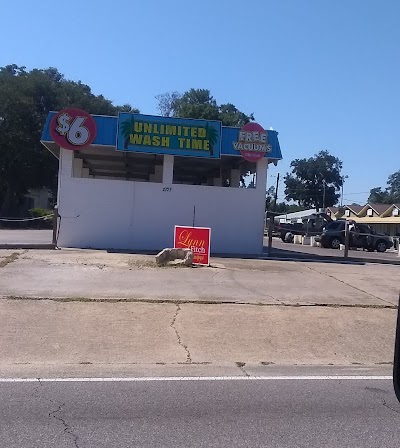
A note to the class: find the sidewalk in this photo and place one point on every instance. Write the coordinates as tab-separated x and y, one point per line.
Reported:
45	335
92	311
89	274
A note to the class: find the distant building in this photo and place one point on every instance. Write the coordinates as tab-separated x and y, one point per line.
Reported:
383	218
295	216
39	198
35	198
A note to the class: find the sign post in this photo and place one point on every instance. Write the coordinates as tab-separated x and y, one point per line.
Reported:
197	239
346	239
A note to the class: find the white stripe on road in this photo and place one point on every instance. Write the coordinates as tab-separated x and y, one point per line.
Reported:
196	378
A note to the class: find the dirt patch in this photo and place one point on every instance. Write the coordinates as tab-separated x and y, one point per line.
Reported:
142	264
149	264
10	259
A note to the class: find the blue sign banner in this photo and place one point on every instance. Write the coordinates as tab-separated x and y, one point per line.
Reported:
230	135
106	130
166	135
225	144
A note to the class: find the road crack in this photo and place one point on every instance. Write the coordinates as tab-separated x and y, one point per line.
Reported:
184	346
67	428
220	302
55	414
348	284
388	407
247	288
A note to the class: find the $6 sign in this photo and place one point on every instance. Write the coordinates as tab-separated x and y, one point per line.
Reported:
73	129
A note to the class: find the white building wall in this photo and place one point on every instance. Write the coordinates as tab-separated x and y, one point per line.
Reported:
118	214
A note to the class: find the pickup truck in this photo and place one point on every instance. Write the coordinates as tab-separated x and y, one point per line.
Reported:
310	225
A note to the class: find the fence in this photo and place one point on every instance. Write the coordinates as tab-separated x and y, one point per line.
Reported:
29	223
348	238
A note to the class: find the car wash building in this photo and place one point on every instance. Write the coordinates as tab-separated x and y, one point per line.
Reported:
124	182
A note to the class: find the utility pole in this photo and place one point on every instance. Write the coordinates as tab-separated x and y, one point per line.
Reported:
271	220
341	196
323	199
276	192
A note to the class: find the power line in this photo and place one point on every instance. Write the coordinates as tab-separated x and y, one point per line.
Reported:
311	190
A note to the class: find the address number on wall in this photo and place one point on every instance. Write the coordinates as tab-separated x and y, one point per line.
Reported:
167	189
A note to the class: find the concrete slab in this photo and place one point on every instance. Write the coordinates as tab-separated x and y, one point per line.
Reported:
103	338
287	335
381	281
100	275
112	312
79	333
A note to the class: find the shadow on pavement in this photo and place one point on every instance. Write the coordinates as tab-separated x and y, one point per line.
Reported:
298	255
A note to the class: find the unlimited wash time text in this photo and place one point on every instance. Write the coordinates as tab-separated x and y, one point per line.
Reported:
154	134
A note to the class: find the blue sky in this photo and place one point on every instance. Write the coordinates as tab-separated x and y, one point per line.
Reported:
324	74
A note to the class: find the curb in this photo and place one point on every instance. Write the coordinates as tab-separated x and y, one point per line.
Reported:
27	246
350	260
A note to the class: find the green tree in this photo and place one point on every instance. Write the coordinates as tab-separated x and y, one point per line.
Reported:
231	116
167	103
269	198
280	207
379	196
26	97
199	103
394	187
391	194
314	182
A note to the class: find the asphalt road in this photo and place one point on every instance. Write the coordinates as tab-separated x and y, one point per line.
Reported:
25	236
290	250
242	413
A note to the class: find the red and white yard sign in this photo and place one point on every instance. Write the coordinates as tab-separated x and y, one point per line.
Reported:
197	239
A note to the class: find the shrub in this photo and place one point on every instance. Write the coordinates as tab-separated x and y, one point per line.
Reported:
45	223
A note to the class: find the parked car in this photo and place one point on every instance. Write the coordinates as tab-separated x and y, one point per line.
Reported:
361	236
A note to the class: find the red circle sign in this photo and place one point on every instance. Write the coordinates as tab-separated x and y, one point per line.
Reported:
252	142
73	129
